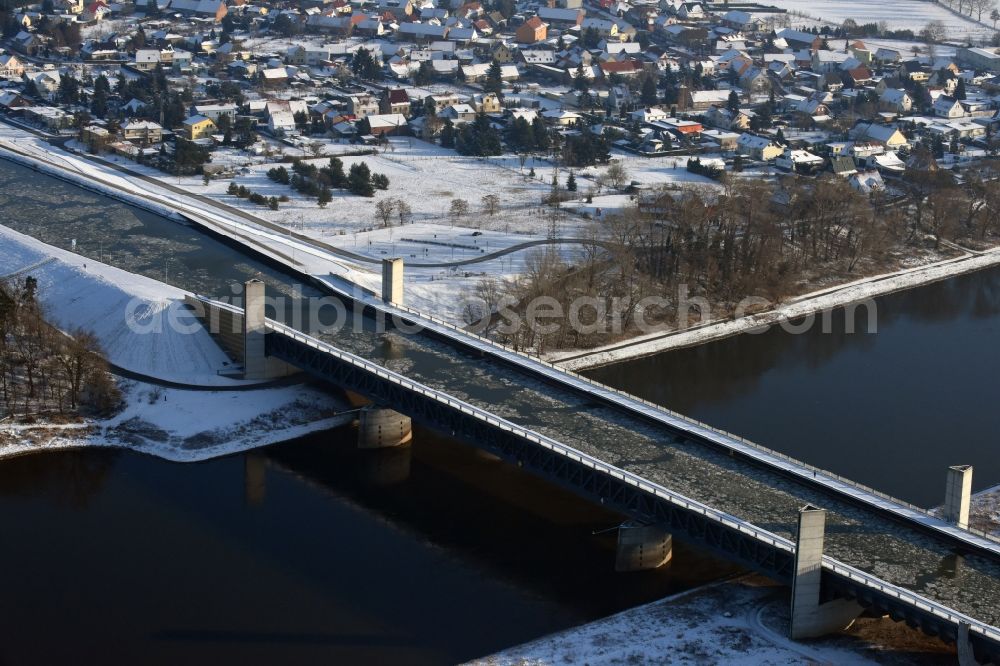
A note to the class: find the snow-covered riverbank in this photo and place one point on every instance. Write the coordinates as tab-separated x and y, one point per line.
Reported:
741	621
123	310
800	306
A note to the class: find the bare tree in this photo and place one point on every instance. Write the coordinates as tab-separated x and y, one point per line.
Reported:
491	204
403	211
459	208
384	209
616	175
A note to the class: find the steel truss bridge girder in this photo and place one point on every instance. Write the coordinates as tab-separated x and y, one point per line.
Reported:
602	488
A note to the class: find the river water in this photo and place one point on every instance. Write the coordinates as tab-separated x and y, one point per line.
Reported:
436	554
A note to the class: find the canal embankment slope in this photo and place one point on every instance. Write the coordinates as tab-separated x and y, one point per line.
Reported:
178	403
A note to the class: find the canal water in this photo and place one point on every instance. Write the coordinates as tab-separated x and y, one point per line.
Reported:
440	555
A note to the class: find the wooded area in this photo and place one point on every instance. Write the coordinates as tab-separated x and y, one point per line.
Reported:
43	371
754	238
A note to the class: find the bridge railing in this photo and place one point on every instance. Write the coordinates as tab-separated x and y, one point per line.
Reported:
781	543
711	431
916	600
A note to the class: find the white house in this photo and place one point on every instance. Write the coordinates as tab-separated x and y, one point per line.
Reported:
281	122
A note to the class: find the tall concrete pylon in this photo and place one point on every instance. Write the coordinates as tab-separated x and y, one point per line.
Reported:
810	618
392	281
254	358
958	495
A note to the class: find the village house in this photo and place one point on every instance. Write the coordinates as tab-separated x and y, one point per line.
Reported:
142	132
883	135
898	101
759	147
387	124
11	67
395	100
361	106
281	122
946	106
531	31
197	127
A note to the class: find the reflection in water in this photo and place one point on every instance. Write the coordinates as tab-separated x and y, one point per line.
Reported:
892	409
310	551
69	478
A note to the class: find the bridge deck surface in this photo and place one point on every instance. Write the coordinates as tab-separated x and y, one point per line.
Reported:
890	550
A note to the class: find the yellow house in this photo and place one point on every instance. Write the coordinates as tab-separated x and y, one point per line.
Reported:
198	127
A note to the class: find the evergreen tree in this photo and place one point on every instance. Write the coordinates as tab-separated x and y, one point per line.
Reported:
335	172
648	94
522	136
733	103
325	197
494	82
359	180
960	89
448	134
571	183
99	102
540	133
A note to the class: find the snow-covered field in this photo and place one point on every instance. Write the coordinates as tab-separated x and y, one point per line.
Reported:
898	15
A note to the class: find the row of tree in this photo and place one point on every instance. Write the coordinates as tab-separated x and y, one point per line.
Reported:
42	370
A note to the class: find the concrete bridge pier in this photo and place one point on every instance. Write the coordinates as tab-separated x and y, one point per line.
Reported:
256	363
642	547
958	495
380	428
810	618
392	281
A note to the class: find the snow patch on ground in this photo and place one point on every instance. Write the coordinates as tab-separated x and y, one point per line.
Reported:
187	426
718	624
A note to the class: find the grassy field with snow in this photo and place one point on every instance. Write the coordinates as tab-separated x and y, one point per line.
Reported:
898	15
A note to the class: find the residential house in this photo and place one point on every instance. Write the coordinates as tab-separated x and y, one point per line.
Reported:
387	124
11	67
361	106
395	100
146	60
946	106
487	103
561	18
531	31
216	111
458	113
759	147
142	132
281	122
898	101
197	127
212	9
884	135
